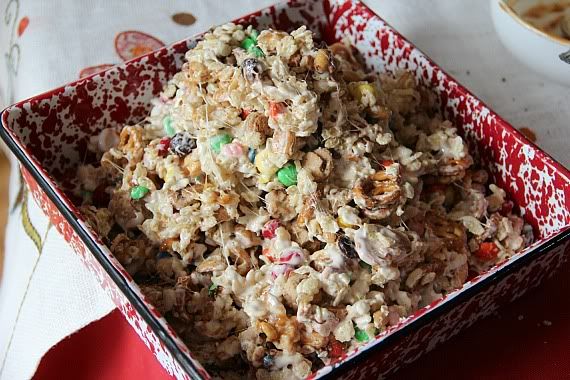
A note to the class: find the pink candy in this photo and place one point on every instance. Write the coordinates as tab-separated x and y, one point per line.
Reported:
165	100
280	269
268	230
291	256
232	149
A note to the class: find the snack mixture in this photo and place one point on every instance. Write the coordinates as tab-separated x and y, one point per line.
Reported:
281	205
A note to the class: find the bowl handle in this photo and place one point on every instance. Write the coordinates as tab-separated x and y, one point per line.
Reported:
565	57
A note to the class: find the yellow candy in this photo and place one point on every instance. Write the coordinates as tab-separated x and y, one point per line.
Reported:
343	223
264	164
362	89
265	178
169	174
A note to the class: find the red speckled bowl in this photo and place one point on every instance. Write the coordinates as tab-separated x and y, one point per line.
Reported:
49	134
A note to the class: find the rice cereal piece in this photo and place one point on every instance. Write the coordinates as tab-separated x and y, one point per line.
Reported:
344	331
313	341
170	269
214	262
379	245
378	194
452	233
319	163
256	129
126	215
131	143
497	198
278	206
131	253
283	142
163	298
100	219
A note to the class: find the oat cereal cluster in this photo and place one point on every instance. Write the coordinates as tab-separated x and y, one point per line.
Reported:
282	205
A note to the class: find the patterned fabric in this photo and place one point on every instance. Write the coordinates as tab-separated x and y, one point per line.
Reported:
45	293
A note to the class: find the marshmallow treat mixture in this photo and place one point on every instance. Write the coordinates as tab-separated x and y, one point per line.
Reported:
282	205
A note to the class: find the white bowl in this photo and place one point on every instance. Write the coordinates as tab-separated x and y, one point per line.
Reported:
533	47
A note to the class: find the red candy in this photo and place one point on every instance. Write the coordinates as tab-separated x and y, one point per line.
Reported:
487	251
245	113
163	146
268	230
275	109
336	350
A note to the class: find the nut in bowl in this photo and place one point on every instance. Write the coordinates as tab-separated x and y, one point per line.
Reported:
537	32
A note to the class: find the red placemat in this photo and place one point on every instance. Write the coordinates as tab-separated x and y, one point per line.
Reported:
529	339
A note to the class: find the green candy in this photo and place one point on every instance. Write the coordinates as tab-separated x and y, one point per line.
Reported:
138	192
167	125
361	335
212	290
287	175
217	141
248	43
257	52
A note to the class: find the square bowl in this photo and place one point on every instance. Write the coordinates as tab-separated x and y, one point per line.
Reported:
49	134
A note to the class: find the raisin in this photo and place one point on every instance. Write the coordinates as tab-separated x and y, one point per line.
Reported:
252	69
268	361
316	362
346	246
182	144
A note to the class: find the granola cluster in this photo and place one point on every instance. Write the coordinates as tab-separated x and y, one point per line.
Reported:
281	205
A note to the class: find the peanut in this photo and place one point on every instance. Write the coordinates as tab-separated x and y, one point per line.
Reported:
269	331
322	61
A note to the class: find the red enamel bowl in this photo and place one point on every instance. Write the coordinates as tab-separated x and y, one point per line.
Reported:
49	134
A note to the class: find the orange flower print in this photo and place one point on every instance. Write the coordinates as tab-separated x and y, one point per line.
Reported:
24	22
131	44
94	70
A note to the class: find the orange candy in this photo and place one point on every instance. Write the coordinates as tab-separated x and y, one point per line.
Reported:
275	109
487	251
